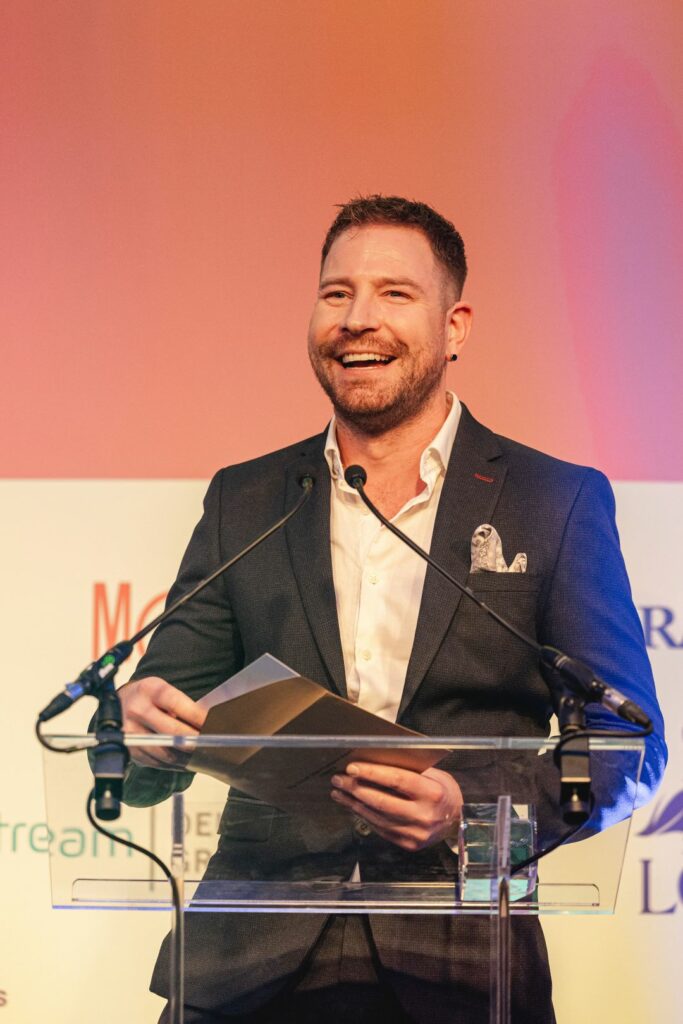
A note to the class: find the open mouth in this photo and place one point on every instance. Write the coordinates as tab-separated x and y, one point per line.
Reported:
364	360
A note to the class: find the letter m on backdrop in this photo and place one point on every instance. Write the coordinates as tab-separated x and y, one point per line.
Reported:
111	616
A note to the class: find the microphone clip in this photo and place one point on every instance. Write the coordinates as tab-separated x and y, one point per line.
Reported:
572	754
110	756
575	762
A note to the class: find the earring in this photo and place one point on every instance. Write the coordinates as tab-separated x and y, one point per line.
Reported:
452	358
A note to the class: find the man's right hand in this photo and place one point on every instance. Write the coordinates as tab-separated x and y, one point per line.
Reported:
152	706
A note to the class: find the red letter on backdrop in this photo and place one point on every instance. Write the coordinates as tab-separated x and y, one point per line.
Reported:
115	626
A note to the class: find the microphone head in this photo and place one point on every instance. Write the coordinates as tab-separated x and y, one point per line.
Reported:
355	476
306	478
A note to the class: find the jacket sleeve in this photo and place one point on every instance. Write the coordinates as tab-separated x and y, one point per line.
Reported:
589	614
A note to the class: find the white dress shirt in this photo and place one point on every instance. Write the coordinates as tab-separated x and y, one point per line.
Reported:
378	581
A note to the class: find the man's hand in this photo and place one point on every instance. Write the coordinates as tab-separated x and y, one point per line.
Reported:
153	706
411	810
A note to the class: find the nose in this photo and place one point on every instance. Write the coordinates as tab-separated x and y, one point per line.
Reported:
361	315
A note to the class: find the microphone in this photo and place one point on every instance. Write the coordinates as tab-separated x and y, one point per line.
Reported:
97	676
579	677
96	672
306	478
583	681
356	476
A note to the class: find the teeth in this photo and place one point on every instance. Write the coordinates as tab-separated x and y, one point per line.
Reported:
364	357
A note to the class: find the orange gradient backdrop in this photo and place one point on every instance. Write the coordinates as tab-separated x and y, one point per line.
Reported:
169	170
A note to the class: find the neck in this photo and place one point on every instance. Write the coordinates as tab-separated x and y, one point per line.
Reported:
392	459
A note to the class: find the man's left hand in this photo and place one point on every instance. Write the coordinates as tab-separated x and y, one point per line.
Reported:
407	808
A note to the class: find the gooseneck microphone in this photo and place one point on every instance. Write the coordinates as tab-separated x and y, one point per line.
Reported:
104	668
579	678
572	753
109	758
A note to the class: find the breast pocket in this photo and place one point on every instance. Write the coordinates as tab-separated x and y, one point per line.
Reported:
501	582
512	595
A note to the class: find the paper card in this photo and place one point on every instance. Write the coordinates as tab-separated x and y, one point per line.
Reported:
261	672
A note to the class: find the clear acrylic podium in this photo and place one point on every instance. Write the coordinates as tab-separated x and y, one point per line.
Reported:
303	854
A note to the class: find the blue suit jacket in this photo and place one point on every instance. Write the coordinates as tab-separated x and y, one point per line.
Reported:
466	676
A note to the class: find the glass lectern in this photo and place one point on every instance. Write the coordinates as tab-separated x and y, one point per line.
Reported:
280	845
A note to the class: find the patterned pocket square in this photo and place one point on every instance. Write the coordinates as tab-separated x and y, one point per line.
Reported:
487	552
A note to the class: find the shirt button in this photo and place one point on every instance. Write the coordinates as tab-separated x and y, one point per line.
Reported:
372	578
365	511
360	827
365	655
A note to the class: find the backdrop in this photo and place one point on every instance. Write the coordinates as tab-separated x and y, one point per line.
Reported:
168	172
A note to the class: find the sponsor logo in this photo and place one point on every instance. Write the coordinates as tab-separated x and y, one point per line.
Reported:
661	628
70	841
201	830
115	616
201	827
666	817
657	896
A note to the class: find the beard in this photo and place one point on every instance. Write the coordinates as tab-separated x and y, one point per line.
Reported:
371	408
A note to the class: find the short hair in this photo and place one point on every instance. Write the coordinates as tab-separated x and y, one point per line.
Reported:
447	244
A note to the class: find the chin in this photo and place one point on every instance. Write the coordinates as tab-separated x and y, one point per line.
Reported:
370	417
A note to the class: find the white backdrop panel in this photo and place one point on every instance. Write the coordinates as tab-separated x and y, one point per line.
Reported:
74	552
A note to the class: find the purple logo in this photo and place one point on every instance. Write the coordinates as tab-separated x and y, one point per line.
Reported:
661	628
666	817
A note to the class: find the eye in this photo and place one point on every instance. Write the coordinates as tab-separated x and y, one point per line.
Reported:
395	293
335	296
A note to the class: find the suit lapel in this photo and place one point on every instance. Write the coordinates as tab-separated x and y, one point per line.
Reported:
470	493
308	540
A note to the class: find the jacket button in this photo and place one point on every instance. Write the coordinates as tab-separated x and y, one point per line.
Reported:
361	828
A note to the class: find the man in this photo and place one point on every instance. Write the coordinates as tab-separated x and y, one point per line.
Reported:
338	598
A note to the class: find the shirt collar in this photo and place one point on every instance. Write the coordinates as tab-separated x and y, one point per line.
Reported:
433	460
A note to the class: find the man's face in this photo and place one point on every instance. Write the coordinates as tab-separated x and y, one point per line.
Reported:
383	294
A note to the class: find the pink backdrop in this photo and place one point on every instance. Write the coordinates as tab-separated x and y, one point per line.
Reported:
169	170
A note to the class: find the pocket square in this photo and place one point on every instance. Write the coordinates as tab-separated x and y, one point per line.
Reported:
487	552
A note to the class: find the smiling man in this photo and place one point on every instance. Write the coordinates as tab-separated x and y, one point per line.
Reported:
388	314
341	600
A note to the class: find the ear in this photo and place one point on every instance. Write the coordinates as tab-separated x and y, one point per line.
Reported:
458	326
